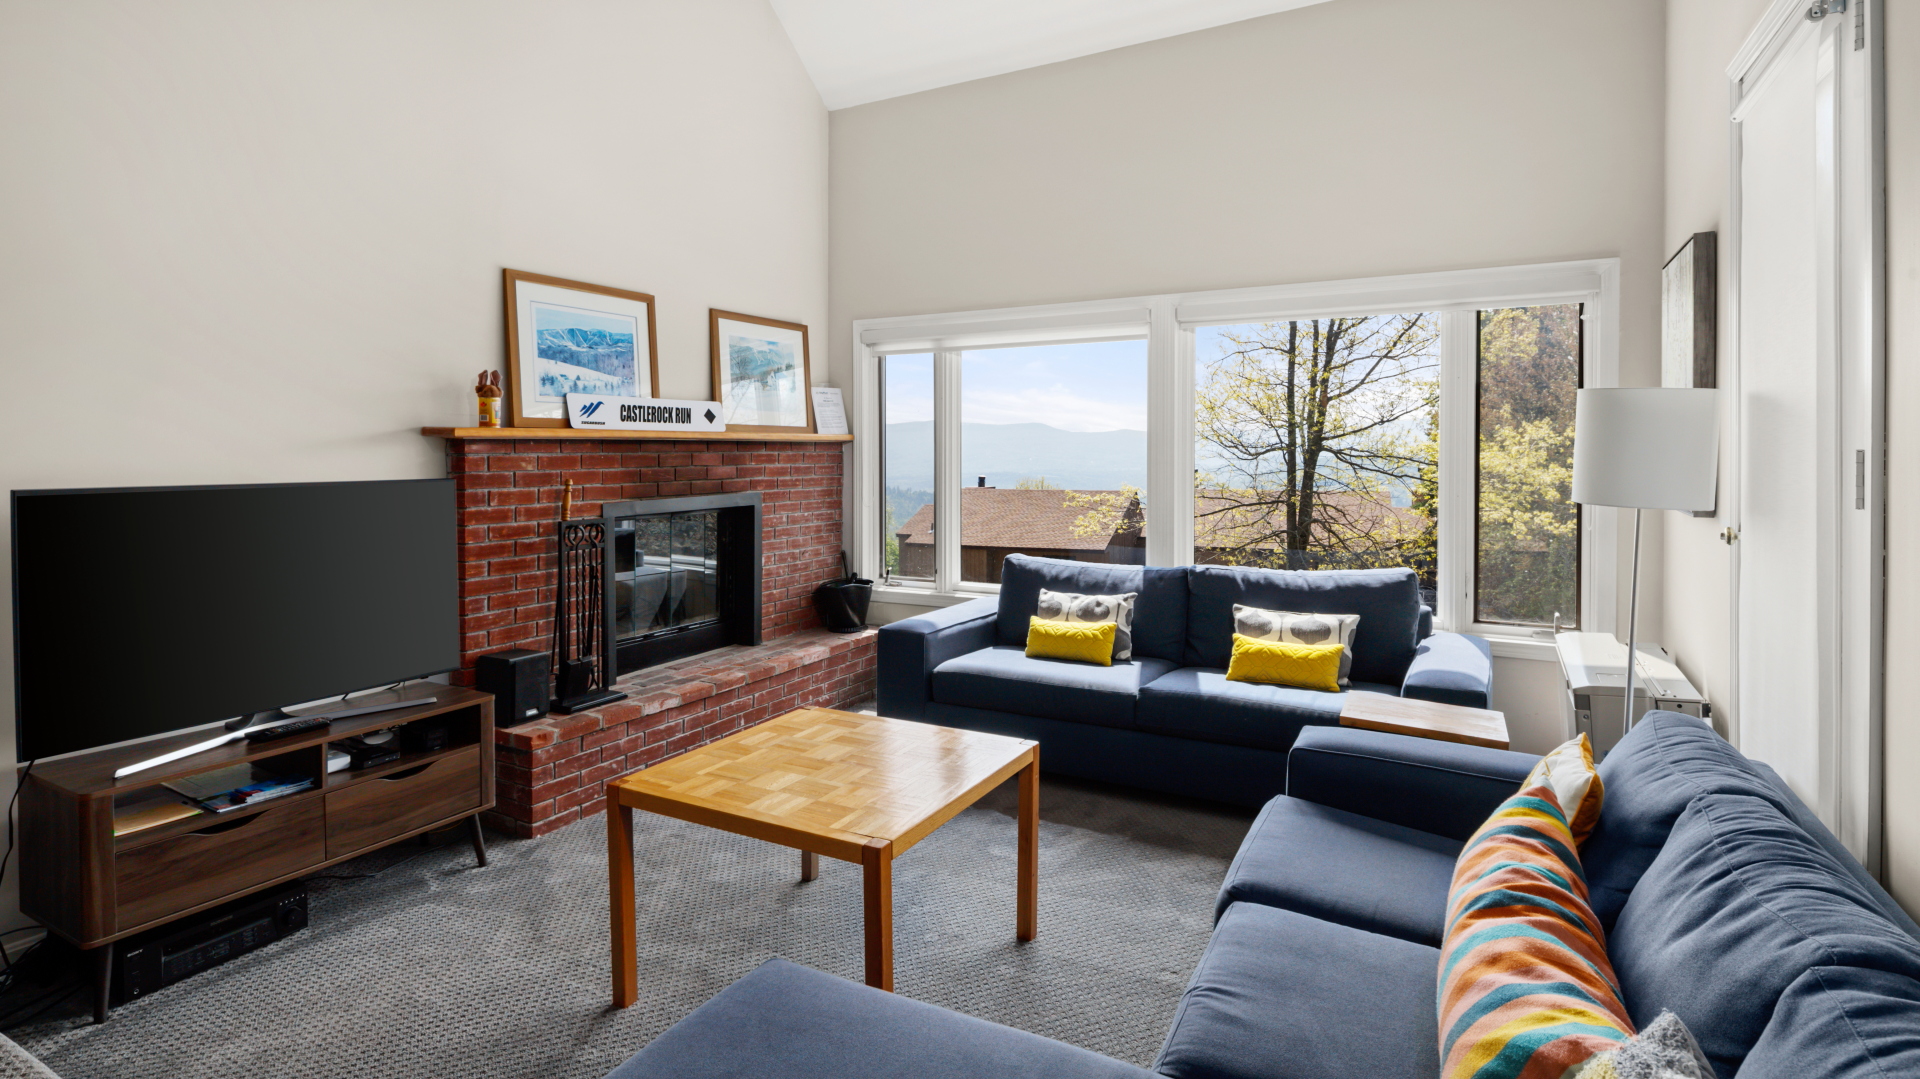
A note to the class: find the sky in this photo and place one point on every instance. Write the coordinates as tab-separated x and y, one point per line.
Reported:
1092	387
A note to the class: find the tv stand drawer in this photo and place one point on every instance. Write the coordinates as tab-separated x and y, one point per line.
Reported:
372	811
225	857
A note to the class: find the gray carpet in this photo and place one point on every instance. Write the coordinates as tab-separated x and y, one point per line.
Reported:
435	968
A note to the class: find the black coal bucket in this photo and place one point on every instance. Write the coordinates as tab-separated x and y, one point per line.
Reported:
843	603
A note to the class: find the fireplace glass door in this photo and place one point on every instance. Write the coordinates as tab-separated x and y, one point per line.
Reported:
666	574
683	576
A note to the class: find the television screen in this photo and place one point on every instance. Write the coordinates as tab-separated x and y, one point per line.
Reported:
142	610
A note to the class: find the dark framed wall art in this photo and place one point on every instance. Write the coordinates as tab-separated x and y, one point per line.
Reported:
1689	315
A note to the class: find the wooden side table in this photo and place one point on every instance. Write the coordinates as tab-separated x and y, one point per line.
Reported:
858	788
1424	719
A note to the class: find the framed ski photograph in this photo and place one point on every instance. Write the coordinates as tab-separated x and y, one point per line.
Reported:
571	337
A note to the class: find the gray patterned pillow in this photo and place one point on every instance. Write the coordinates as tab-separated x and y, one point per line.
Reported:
1296	628
1073	607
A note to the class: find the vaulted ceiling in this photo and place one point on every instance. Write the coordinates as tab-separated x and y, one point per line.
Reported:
867	50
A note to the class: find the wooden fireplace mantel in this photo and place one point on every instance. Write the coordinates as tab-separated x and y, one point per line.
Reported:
615	436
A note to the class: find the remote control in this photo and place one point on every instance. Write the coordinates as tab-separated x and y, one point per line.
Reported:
283	730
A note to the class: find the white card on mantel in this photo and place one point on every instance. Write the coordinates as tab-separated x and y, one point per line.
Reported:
588	410
829	412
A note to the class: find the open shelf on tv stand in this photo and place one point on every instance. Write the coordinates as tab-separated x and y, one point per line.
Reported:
93	888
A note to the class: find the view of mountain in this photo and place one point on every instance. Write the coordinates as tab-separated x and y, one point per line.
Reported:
596	350
1006	453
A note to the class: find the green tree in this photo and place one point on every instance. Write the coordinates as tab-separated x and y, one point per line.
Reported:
1527	559
1310	427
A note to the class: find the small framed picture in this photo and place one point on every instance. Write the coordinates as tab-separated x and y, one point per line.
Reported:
760	372
571	337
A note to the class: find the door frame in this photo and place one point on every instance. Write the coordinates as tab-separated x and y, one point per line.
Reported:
1851	329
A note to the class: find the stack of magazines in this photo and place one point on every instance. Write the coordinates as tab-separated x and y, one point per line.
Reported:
236	786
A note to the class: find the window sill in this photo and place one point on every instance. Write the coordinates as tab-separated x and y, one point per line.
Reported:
920	597
1508	647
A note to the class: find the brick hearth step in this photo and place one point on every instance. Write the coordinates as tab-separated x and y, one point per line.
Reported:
553	771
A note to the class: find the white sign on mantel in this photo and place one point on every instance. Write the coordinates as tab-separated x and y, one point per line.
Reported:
829	412
591	410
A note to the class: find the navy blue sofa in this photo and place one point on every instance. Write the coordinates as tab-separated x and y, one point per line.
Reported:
1724	900
1168	720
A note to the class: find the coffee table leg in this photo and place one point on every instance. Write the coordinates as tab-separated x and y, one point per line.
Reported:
626	974
1027	920
877	862
809	866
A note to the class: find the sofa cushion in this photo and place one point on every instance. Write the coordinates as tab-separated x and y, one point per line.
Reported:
1798	812
786	1021
1159	627
1387	601
1005	679
1343	867
1279	995
1652	773
1841	1023
1738	906
1199	702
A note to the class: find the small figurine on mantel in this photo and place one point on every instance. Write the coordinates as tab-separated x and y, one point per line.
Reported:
487	391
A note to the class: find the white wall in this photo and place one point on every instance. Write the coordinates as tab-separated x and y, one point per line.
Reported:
1902	761
1703	36
261	240
1351	139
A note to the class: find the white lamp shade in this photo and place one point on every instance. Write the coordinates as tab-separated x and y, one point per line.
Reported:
1653	448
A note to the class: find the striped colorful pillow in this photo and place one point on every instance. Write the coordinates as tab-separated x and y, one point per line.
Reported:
1526	990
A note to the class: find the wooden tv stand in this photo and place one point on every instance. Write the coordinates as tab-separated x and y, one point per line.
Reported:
92	888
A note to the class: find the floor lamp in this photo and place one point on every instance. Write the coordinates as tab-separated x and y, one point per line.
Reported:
1645	449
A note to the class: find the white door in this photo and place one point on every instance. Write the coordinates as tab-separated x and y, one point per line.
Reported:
1804	399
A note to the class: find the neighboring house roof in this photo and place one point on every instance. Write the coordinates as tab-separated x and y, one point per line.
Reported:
1011	517
1223	520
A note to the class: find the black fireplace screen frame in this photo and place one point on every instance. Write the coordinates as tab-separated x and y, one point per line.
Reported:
738	573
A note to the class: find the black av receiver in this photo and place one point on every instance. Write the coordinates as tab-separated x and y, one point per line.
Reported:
160	957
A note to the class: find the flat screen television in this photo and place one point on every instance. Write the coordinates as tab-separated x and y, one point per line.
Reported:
142	610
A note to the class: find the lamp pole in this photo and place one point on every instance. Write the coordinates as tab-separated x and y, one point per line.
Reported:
1633	621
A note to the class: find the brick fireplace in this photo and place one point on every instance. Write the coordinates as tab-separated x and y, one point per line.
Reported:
552	771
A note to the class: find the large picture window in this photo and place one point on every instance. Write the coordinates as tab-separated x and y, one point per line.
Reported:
1053	454
1316	443
1421	421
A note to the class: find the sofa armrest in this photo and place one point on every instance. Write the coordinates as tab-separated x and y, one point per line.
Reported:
909	650
1451	668
1444	788
1425	629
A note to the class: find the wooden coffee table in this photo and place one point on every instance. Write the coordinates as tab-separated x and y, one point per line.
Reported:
858	788
1424	719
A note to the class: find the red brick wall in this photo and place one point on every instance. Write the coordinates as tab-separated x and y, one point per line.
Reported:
509	499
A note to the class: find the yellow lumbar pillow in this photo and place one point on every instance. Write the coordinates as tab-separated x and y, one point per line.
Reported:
1088	642
1308	666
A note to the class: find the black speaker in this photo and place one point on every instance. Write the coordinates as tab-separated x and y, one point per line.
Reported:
520	681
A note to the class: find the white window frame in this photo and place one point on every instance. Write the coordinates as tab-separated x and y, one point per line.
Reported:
1167	323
